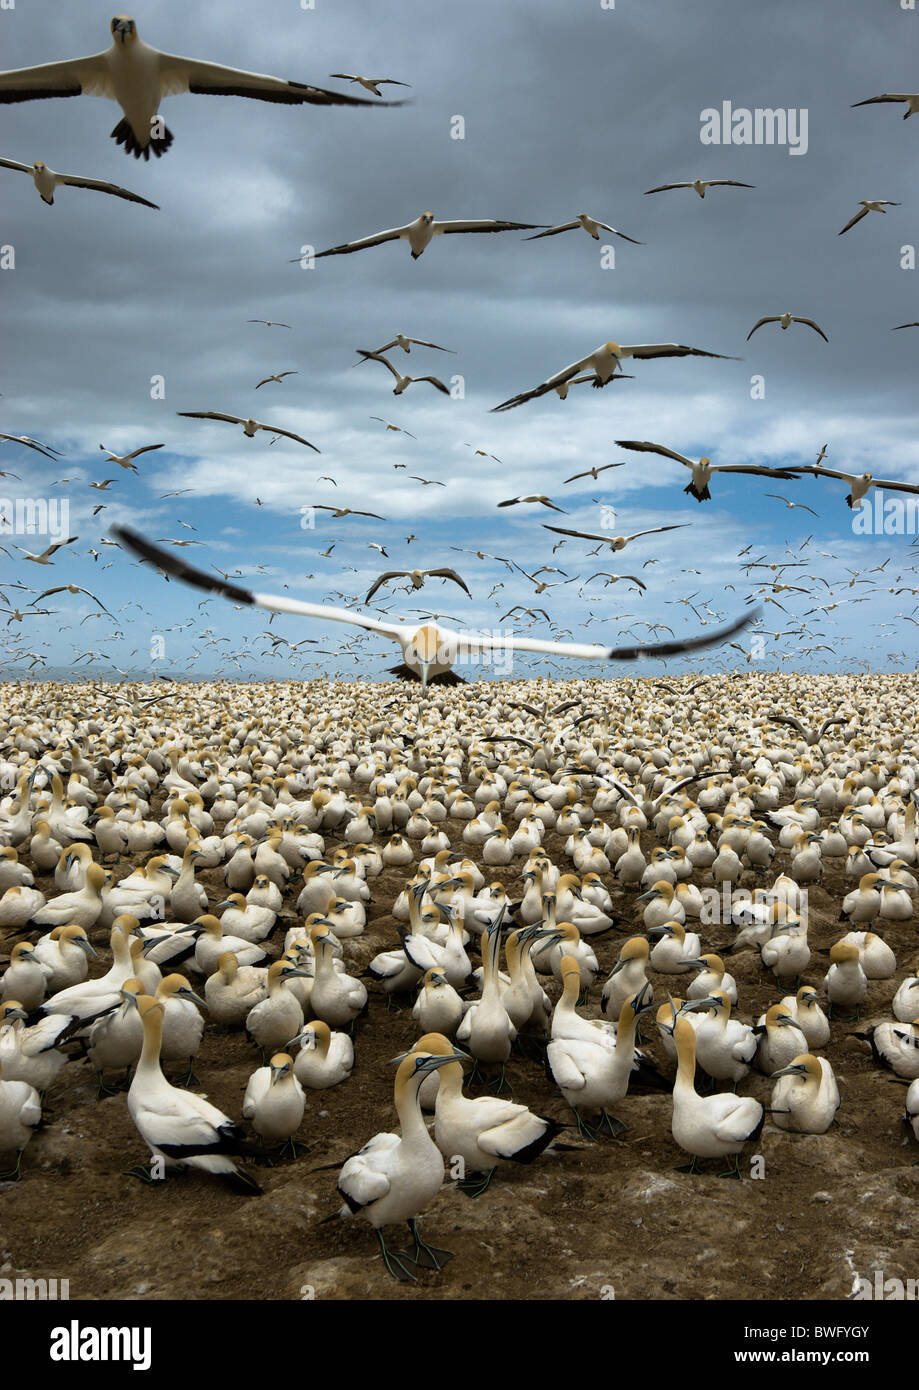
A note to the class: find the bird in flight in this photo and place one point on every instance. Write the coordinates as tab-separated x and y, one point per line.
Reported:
45	557
46	449
911	99
615	578
700	185
791	505
269	323
589	225
785	320
249	426
417	577
594	472
868	205
420	233
428	651
402	382
615	542
370	84
139	77
345	511
702	469
72	589
405	344
397	429
279	376
46	181
604	362
535	497
127	460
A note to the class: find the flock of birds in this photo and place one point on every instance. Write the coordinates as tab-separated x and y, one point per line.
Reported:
549	834
138	77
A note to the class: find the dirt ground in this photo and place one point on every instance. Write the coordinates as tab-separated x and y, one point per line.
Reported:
613	1219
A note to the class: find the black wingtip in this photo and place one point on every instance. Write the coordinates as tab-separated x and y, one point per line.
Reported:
180	569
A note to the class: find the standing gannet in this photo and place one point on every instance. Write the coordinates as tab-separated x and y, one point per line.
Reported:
708	1126
395	1176
438	1008
139	77
702	469
177	1126
591	1068
485	1131
868	205
605	361
46	181
806	1097
274	1020
780	1040
336	998
725	1047
20	1112
274	1102
486	1028
627	977
420	233
26	977
700	185
428	650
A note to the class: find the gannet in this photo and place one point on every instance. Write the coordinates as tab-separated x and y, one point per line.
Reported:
26	977
30	1054
845	981
428	650
325	1058
127	460
370	84
35	444
274	1020
869	205
786	320
911	99
139	77
232	991
178	1126
44	558
274	1102
20	1112
605	361
589	225
859	483
482	1132
395	1176
594	1074
700	185
249	426
806	1097
402	382
895	1046
708	1126
702	469
725	1047
406	344
420	233
46	181
417	577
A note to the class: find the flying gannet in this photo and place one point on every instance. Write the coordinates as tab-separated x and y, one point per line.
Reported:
605	361
786	320
46	181
869	205
402	382
702	469
138	77
249	426
420	233
700	185
592	227
127	460
911	99
428	650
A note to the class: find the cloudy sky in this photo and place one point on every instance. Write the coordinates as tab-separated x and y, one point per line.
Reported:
565	108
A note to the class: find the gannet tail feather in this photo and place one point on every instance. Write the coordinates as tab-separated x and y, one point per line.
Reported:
124	135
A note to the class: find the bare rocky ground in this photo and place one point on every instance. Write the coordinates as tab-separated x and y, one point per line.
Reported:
612	1219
